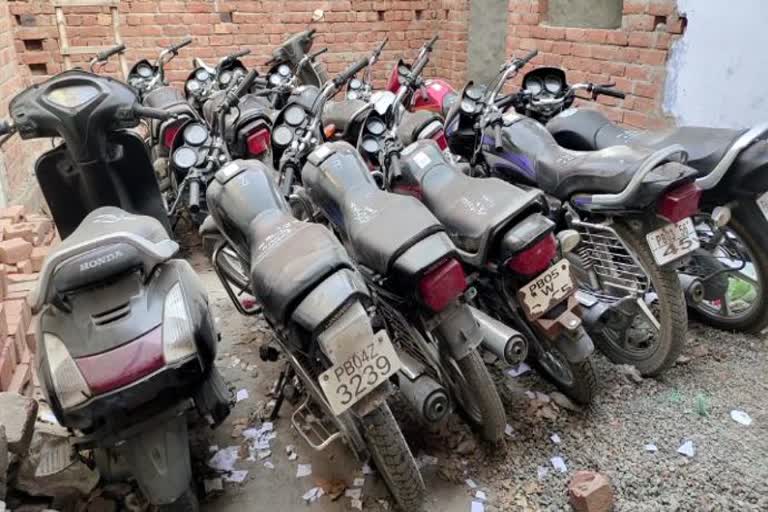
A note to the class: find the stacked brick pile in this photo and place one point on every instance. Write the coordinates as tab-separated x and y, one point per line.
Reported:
25	240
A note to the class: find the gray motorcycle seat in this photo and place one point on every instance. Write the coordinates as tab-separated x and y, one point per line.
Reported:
342	113
289	258
588	130
80	265
412	123
471	209
164	98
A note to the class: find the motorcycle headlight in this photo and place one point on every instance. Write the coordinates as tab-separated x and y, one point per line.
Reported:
178	338
69	384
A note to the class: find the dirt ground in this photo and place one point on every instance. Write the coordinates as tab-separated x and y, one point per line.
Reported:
718	373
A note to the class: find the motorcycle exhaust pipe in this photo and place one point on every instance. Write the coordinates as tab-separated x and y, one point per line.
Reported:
693	288
501	340
422	393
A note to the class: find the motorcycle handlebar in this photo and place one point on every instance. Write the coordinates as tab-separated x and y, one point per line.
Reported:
525	60
246	84
381	46
431	42
106	54
351	71
175	48
317	54
236	55
5	128
608	91
152	113
497	142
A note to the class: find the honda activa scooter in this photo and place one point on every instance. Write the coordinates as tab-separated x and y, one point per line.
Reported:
127	339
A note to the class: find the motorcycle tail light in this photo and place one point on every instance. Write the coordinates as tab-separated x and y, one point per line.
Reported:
680	202
69	384
258	142
439	137
170	133
535	258
178	338
443	284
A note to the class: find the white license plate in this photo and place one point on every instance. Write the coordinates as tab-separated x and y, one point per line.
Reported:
348	381
762	203
673	241
547	290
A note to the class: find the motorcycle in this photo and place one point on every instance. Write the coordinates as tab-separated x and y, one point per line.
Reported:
732	263
205	80
405	256
288	60
318	305
632	208
501	233
127	338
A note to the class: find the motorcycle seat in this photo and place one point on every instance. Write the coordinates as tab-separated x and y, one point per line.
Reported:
164	98
289	258
343	113
108	242
413	123
471	209
588	130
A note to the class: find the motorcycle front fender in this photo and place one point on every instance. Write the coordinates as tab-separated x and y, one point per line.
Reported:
459	331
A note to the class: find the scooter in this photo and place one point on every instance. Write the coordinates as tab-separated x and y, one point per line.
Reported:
127	338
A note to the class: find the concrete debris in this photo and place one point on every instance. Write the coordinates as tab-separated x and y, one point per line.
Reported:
224	460
237	476
467	447
471	483
741	417
687	449
303	470
590	492
18	414
213	485
630	372
555	438
650	447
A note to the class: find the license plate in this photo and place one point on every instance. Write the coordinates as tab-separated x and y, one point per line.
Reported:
762	203
547	290
673	241
348	381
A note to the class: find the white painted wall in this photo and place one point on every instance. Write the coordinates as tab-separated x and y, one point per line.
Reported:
717	74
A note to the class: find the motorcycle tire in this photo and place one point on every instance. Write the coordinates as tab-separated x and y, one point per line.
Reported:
672	311
580	385
393	459
483	392
187	502
750	225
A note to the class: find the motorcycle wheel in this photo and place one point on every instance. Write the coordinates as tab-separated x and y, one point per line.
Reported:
748	229
577	381
187	502
652	358
481	400
393	459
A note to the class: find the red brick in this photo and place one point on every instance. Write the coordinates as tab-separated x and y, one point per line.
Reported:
639	22
7	363
20	378
24	266
15	250
31	338
642	39
23	230
13	213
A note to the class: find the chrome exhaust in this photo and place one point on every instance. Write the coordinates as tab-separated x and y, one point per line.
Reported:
427	397
501	340
693	288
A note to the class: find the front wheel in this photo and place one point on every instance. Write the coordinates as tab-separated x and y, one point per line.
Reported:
577	381
480	399
394	459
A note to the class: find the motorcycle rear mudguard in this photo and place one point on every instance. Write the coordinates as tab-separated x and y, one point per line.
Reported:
127	181
746	178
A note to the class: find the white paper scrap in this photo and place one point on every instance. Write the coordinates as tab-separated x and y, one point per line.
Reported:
268	464
242	395
650	447
555	438
542	472
303	470
559	464
313	494
224	460
358	482
508	430
355	494
471	483
741	417
480	495
531	395
237	477
477	506
367	470
293	457
519	370
687	449
265	454
357	504
213	448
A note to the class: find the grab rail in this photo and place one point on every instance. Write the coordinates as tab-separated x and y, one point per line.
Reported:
713	178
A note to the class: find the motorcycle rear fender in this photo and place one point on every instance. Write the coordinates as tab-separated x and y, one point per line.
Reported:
321	306
419	258
747	177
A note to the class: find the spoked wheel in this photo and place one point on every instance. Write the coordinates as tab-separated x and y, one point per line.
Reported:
576	380
741	258
646	328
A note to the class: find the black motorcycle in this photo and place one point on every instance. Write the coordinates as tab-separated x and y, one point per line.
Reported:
631	206
127	338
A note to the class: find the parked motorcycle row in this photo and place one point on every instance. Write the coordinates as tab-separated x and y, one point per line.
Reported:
398	241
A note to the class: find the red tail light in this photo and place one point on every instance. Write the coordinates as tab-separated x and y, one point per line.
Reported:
258	142
170	133
439	137
680	202
535	258
440	286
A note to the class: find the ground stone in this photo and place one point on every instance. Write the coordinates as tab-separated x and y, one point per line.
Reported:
18	414
590	492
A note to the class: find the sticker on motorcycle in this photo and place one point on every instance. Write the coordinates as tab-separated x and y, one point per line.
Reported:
348	381
673	241
547	290
762	203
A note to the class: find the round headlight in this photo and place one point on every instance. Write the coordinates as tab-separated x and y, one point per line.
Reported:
184	158
195	134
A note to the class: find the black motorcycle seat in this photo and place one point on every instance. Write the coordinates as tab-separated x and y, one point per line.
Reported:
471	209
289	258
588	130
342	113
84	266
164	98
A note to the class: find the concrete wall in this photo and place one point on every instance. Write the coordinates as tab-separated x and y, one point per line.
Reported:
585	13
717	73
487	38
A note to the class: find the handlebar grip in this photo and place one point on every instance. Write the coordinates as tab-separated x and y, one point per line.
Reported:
506	101
350	72
311	32
194	196
419	66
237	55
246	84
186	42
5	127
431	42
108	53
381	46
528	58
607	91
317	54
152	113
497	142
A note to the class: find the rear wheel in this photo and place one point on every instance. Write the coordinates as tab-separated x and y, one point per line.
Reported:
480	399
578	381
393	459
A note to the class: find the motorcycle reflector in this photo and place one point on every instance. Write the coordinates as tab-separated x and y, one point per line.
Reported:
170	133
68	383
441	285
439	137
680	202
535	258
258	142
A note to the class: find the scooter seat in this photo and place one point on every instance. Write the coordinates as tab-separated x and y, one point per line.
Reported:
289	258
588	130
342	113
471	209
